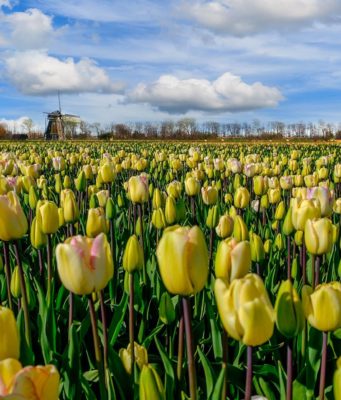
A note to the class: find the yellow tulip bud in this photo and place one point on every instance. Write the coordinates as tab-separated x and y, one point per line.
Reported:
318	236
267	246
212	217
108	172
133	255
166	309
279	242
183	260
274	195
158	199
32	198
240	231
38	238
289	310
325	198
140	354
174	189
80	182
286	182
264	201
192	186
257	248
47	213
138	189
96	222
225	226
110	209
15	283
245	309
58	183
13	222
288	226
280	211
9	337
67	182
298	238
241	197
233	259
260	185
170	210
322	307
158	219
70	206
61	221
209	195
151	387
85	265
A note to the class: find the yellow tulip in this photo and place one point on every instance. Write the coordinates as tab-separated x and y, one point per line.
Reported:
241	197
107	172
96	222
240	231
233	259
183	260
274	195
225	226
151	387
302	210
322	307
260	185
13	222
70	206
280	211
289	310
140	353
85	265
9	336
47	213
318	236
209	195
138	189
257	248
159	219
158	199
174	189
170	210
245	309
40	382
9	367
133	255
192	186
102	196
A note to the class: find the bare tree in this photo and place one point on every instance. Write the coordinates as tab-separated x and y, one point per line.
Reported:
27	124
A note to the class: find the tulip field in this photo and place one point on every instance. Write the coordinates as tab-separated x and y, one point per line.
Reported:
164	270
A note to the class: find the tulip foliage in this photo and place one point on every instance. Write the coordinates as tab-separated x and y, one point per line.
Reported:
157	270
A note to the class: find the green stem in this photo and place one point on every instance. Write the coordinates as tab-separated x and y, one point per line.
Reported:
49	268
323	365
248	383
180	347
142	241
24	295
8	275
98	356
131	322
190	353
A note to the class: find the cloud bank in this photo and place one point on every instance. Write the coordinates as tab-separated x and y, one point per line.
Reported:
228	93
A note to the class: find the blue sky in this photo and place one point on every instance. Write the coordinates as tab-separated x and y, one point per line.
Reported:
124	61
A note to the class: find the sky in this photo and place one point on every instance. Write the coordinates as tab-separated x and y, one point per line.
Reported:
147	60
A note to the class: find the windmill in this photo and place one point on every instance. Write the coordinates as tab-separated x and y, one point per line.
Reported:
57	122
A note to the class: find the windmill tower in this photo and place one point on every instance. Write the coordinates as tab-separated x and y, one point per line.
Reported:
57	122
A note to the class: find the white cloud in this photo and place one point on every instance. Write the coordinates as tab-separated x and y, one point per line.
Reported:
243	17
36	73
17	125
30	29
228	93
5	3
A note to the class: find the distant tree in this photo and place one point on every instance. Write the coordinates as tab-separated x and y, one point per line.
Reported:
3	130
27	124
167	128
85	128
186	126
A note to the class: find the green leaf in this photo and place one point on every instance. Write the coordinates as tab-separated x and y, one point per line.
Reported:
209	373
169	380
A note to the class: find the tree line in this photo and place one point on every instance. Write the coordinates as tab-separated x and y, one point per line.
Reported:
182	128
